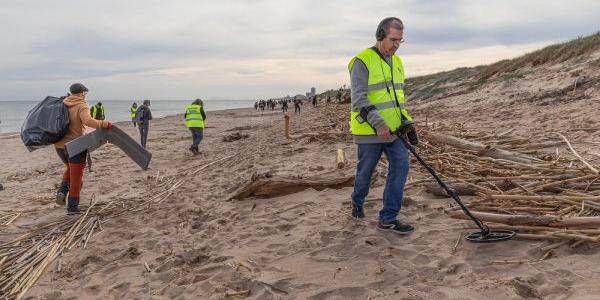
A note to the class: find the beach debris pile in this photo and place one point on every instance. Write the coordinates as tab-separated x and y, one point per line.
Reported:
234	137
538	186
7	217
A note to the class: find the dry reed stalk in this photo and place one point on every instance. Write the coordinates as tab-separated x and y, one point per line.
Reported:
594	170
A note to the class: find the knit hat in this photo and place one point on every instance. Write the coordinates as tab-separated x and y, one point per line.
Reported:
77	88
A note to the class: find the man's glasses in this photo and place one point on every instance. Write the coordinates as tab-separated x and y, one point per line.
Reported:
397	42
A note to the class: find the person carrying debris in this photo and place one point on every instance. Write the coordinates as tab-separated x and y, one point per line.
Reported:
377	113
79	117
97	111
194	120
132	112
143	115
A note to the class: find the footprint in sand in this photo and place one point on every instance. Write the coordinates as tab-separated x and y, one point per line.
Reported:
420	260
120	289
341	293
285	227
93	290
458	268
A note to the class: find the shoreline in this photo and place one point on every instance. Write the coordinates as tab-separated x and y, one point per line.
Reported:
11	134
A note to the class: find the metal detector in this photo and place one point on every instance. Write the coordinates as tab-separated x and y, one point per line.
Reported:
485	235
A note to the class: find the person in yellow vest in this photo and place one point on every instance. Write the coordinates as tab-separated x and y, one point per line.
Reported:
97	111
377	114
194	120
132	112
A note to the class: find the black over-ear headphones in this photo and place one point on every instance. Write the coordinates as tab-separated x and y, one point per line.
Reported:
381	32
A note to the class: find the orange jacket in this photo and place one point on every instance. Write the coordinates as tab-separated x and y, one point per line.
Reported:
79	117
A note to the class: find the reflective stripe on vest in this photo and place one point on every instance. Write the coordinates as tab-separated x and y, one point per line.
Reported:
380	106
385	92
385	85
193	116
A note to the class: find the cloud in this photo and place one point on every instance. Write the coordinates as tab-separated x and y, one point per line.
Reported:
247	49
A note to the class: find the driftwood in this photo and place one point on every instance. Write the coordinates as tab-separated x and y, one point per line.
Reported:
536	220
481	149
594	170
264	186
461	189
287	126
340	159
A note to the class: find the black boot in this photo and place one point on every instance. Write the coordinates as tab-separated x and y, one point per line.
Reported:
194	150
357	211
62	193
73	206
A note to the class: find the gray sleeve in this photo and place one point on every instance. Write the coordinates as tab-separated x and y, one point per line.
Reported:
359	78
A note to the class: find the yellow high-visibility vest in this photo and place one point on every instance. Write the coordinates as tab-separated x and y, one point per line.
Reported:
385	91
193	117
96	113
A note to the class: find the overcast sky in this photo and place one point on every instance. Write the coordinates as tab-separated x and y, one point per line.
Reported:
253	49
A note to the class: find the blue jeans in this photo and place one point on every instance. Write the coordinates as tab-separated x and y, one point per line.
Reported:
368	156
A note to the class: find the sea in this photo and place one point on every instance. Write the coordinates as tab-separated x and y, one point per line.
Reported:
12	113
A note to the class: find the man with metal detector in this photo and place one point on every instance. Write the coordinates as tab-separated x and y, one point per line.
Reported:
380	123
377	113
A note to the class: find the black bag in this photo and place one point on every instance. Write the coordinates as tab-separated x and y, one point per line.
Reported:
46	123
139	114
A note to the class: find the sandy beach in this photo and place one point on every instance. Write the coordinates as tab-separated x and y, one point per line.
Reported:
198	244
300	106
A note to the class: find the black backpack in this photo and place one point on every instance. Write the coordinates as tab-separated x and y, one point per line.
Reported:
139	114
46	123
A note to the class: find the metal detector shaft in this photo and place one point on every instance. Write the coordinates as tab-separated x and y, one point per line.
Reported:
484	229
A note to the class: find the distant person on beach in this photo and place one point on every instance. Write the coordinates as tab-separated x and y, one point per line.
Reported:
143	116
296	106
97	111
79	117
256	105
377	113
284	106
194	120
132	112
